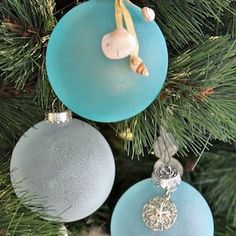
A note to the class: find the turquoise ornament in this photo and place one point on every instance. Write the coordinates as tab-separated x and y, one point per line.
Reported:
92	85
193	213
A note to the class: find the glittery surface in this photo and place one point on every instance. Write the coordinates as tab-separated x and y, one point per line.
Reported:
70	167
159	213
194	215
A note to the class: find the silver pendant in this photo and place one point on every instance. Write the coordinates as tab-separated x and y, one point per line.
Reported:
159	213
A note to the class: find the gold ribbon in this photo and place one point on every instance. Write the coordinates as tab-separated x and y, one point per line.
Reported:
122	14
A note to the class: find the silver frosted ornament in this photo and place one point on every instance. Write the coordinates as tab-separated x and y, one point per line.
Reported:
67	163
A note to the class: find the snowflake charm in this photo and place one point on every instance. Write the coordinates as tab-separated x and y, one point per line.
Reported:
159	213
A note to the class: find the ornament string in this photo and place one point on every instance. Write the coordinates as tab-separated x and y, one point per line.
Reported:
61	106
122	13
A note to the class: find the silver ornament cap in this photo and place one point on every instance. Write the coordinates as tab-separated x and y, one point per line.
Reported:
166	177
58	117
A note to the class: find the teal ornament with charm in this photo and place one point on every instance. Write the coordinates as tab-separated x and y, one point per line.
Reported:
187	213
94	86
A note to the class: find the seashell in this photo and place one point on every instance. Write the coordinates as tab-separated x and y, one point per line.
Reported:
118	44
148	14
137	65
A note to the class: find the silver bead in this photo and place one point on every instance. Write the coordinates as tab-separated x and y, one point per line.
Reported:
173	162
166	177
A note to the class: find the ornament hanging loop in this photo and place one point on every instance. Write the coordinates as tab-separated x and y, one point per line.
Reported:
167	195
61	107
63	116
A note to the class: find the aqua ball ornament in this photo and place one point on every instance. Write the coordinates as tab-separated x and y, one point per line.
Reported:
68	168
194	217
92	85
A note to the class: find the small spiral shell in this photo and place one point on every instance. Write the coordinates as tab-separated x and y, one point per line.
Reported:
148	14
137	65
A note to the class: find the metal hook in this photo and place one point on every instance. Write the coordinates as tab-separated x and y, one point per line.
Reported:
53	103
61	106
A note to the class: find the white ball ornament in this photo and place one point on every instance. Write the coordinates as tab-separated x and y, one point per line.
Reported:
69	165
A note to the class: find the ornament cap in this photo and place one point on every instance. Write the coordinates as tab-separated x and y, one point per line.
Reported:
58	117
166	177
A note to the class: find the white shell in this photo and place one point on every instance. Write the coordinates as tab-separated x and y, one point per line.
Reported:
148	14
137	66
174	163
165	146
118	44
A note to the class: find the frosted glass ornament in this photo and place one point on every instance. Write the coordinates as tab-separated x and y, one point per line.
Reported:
194	217
92	85
70	166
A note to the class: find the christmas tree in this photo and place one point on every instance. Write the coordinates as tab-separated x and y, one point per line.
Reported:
196	106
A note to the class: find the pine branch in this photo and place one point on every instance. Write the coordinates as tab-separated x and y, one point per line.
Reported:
217	176
25	27
224	230
185	22
17	114
198	100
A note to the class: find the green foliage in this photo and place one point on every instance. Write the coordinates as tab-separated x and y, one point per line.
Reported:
185	22
24	31
198	100
217	178
17	114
